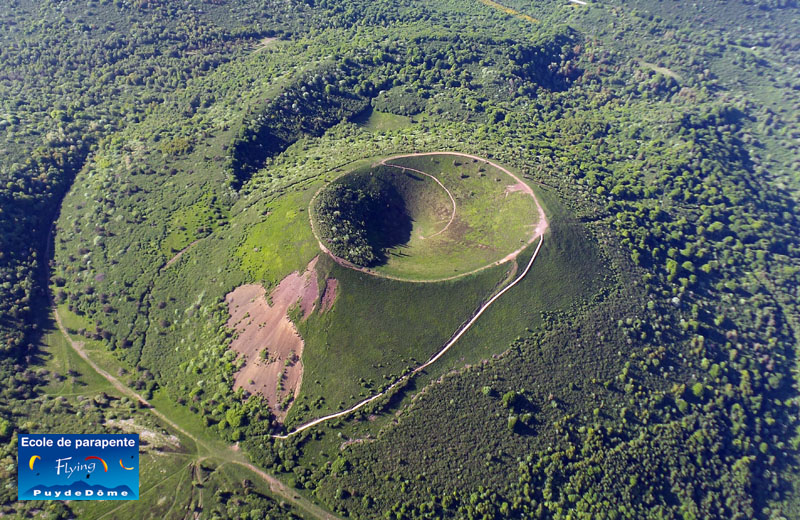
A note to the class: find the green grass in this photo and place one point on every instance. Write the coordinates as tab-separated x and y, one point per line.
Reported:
282	242
377	330
187	420
79	378
97	350
489	222
72	322
567	271
376	121
162	484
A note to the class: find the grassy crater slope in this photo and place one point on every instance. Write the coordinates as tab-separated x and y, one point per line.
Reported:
377	330
425	217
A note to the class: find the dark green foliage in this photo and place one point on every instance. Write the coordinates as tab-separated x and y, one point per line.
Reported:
535	62
334	93
342	213
307	108
360	216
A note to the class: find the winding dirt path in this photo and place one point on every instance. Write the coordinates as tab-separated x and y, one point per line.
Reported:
460	332
230	455
541	225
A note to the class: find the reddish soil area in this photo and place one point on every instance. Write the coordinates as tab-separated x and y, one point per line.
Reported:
329	294
268	340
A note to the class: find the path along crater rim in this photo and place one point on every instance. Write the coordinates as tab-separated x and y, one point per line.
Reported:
540	225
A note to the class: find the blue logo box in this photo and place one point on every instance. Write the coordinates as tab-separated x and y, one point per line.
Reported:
77	467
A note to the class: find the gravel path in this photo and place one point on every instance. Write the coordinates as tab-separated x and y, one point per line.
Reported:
460	332
539	232
541	225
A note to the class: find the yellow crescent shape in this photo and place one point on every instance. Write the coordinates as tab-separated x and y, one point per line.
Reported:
33	459
123	465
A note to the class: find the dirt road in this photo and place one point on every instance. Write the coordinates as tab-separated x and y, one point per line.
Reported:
460	332
230	455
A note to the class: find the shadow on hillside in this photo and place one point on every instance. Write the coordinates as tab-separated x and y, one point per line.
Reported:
389	226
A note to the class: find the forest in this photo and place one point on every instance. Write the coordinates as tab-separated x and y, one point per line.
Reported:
156	155
360	216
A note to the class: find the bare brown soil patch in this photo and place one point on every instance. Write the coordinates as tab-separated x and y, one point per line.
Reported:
329	294
268	340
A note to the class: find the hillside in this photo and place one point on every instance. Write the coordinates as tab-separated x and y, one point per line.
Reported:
256	216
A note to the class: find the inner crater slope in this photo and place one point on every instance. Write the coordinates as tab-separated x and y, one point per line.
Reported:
426	217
